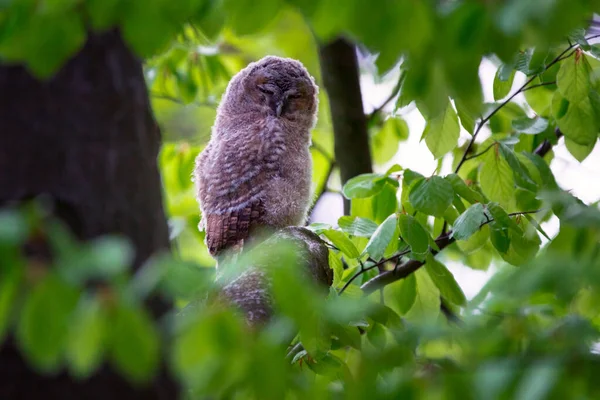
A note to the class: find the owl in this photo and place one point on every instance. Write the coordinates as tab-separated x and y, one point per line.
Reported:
254	175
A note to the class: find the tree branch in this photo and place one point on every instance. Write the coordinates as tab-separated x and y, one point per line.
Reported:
505	102
443	241
339	68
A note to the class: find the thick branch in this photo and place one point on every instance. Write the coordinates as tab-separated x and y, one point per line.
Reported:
250	291
339	67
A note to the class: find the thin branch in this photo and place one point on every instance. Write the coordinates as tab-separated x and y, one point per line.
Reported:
485	120
411	266
387	101
538	85
481	153
363	270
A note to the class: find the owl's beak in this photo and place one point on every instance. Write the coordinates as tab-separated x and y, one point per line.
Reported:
279	107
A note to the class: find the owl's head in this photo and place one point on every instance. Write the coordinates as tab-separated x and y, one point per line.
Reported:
279	87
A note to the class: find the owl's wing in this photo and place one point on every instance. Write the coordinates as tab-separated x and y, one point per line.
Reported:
234	180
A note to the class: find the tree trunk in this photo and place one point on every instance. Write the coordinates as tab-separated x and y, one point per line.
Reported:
87	140
339	68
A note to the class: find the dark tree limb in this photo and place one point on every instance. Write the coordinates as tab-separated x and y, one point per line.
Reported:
339	68
250	290
86	140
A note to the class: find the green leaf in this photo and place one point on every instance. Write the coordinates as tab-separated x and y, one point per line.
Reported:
540	98
579	151
496	178
381	238
103	13
464	191
537	226
44	321
384	143
335	263
87	338
431	196
444	280
342	242
503	81
427	302
475	242
403	293
577	120
146	29
469	222
467	115
531	126
357	226
134	343
10	283
520	172
413	234
499	237
573	79
365	185
442	132
250	16
522	247
377	336
502	218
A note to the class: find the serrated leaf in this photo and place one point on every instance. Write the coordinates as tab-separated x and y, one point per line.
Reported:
342	242
365	185
573	78
245	16
464	191
469	222
134	343
357	226
503	81
413	234
496	178
87	338
431	196
442	132
381	238
444	280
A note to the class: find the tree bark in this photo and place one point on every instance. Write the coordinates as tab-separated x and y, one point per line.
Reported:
339	69
87	140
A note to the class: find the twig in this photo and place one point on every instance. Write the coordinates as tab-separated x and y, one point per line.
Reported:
538	85
363	270
391	97
481	153
485	120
